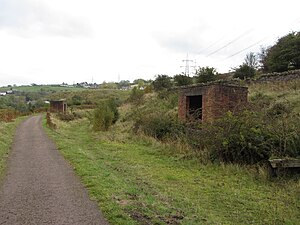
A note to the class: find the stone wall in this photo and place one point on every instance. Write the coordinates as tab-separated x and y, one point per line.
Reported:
284	76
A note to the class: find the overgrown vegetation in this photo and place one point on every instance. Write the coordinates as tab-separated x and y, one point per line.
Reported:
104	115
8	115
138	180
268	127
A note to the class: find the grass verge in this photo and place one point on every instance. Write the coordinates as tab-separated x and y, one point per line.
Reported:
134	182
7	132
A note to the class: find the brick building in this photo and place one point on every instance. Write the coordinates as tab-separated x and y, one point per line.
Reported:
58	106
207	102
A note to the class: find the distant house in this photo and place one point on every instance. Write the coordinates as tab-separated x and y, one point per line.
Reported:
58	106
10	92
2	93
207	102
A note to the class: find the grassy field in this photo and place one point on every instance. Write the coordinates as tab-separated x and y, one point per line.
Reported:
288	92
91	96
38	88
138	181
7	131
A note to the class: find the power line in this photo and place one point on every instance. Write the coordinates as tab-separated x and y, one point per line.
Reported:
211	45
231	42
256	43
250	46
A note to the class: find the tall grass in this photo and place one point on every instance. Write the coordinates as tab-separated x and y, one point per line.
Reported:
134	182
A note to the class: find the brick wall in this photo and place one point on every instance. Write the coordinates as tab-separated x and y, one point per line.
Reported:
217	99
58	106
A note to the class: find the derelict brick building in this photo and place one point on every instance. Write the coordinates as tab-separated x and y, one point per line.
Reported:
207	102
58	106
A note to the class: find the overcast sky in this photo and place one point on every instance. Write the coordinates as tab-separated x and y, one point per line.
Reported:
55	41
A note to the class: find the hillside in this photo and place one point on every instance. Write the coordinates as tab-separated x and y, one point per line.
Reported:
137	179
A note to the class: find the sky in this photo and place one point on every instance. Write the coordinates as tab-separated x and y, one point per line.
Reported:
50	42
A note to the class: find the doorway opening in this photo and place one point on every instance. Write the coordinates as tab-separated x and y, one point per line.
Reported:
194	107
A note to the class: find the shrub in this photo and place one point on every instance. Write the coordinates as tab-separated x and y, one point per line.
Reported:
250	136
104	115
244	71
8	115
236	139
49	121
158	125
261	100
182	80
162	82
136	95
205	74
69	116
284	127
157	117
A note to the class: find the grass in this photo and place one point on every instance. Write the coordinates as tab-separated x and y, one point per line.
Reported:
38	88
92	96
288	91
7	131
137	182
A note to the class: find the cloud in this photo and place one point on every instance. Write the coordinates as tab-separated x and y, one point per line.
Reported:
180	42
33	18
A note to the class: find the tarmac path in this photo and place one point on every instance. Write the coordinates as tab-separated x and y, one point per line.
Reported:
40	187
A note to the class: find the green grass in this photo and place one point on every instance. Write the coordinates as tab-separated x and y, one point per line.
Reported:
137	182
288	92
38	88
92	96
7	131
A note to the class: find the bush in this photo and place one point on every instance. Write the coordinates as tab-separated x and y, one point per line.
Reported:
158	125
136	95
49	121
284	126
104	115
236	139
251	136
244	71
182	80
162	82
205	74
157	117
69	116
8	115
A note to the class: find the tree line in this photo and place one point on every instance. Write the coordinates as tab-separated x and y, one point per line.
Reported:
284	55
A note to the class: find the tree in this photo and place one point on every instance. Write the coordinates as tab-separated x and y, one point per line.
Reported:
251	60
248	68
205	74
77	100
263	59
244	71
123	84
162	82
140	81
104	115
181	80
284	55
